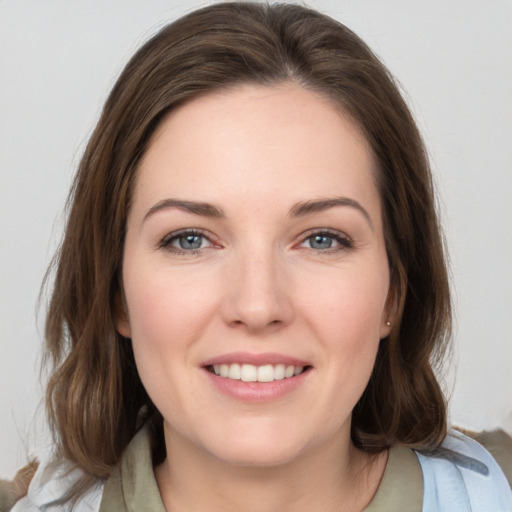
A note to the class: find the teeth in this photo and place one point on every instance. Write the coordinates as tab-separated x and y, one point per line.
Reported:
235	372
266	373
251	373
279	372
289	371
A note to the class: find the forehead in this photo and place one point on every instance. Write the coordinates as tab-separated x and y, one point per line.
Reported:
263	143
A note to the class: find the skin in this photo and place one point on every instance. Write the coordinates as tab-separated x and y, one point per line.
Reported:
258	283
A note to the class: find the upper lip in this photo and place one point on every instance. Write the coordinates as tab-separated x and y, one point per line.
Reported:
255	359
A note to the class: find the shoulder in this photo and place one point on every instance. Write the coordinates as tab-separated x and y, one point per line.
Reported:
463	476
52	481
499	444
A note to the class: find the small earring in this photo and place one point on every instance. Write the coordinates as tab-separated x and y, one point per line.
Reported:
388	323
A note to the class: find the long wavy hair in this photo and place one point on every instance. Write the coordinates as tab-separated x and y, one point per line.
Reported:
95	400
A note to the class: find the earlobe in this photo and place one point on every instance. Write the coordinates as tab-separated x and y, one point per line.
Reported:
121	320
123	327
390	314
385	329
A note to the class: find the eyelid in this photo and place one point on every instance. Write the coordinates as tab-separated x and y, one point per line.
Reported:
165	242
345	241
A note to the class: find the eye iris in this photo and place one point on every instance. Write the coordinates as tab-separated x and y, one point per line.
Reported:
190	241
321	242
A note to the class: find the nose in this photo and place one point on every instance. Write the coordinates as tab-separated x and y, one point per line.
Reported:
258	294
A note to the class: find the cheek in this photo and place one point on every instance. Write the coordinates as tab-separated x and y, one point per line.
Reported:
347	318
345	302
167	315
163	305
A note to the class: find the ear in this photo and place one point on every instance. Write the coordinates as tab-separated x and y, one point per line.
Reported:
385	328
390	313
121	319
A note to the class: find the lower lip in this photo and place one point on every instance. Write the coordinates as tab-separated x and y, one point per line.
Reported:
256	392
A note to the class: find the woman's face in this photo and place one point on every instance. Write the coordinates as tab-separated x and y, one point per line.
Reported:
255	274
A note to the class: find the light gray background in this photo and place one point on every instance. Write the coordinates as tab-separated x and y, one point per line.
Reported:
58	60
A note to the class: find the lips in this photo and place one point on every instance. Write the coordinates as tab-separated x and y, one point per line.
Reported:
256	377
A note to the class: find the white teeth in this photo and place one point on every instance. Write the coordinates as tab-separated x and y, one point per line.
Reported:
279	372
266	373
251	373
235	372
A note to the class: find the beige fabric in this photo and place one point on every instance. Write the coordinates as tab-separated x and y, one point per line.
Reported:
401	488
133	488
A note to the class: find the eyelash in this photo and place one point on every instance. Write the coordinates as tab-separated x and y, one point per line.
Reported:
344	242
166	242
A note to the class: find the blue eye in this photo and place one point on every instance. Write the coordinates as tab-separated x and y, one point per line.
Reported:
326	241
190	241
320	241
186	241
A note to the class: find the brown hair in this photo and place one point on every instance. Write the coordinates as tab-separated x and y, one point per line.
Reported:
94	394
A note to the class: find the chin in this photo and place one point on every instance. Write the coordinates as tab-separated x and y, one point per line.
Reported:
259	447
258	455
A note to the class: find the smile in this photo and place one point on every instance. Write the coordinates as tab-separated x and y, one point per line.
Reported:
252	373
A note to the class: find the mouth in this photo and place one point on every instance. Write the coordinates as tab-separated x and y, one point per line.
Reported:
253	373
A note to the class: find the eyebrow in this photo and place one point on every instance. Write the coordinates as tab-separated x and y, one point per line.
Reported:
197	208
301	209
309	207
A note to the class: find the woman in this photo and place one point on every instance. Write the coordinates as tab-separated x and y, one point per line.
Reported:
251	289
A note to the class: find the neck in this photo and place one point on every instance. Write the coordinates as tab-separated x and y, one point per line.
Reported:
329	478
